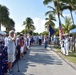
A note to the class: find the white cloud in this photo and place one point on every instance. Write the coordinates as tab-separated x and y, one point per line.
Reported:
39	24
19	28
66	15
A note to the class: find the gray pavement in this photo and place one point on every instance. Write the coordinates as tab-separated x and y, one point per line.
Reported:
43	62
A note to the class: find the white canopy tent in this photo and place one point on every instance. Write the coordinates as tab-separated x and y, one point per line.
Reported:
73	31
2	33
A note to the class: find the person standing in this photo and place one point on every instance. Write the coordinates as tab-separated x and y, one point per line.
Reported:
40	40
11	51
18	47
45	41
6	41
25	44
66	44
22	45
62	46
28	41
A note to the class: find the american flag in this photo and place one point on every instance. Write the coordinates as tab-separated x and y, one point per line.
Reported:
60	31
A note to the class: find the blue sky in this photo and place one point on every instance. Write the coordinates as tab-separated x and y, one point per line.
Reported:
20	9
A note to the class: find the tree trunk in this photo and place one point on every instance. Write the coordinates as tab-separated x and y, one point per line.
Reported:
60	26
72	17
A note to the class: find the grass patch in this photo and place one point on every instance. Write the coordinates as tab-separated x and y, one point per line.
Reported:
71	57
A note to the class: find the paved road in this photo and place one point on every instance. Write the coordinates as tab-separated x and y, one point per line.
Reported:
43	62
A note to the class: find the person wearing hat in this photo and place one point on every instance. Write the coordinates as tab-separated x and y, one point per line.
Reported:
66	44
11	50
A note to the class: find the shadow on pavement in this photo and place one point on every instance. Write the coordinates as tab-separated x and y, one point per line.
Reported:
23	65
37	55
45	59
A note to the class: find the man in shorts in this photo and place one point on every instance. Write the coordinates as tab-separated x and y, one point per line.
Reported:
11	50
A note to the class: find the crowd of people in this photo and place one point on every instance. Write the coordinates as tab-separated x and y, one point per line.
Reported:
14	47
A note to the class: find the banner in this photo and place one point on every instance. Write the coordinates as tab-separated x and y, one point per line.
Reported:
60	32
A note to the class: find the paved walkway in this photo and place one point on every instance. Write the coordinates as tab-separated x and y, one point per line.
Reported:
43	62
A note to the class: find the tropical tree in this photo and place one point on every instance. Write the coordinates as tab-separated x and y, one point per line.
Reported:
32	28
35	33
57	10
67	26
71	5
72	27
56	31
29	24
4	13
10	24
50	21
44	33
23	31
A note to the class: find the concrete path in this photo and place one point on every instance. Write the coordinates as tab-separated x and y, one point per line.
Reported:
43	62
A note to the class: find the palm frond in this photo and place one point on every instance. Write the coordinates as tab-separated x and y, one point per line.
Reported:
46	18
48	12
45	2
61	14
52	8
24	23
65	7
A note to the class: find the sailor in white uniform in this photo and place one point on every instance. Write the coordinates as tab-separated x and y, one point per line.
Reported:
66	45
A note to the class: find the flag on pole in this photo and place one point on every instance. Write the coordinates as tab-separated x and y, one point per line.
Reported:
60	32
51	30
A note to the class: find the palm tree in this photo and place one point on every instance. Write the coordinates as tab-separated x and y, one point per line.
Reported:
56	31
50	21
72	27
4	13
57	10
29	24
71	6
10	24
32	28
67	26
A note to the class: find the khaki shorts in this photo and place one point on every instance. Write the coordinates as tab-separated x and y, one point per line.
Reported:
11	57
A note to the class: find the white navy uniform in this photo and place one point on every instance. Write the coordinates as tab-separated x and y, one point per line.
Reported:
66	45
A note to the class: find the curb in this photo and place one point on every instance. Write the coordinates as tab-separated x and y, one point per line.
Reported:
69	63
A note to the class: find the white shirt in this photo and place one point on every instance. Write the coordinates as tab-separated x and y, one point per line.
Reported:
0	38
40	37
11	46
6	41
